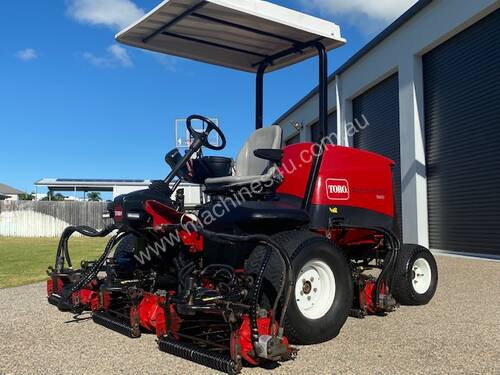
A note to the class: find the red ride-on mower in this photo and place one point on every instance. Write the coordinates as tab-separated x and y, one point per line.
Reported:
289	244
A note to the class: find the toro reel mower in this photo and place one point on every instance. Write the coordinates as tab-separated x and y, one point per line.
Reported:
291	241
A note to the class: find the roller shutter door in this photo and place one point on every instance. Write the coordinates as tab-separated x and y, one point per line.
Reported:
462	112
332	127
379	106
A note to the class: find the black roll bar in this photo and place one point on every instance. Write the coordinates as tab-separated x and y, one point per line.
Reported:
259	95
323	82
323	106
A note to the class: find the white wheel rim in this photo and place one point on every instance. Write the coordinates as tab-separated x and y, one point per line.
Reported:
315	289
421	276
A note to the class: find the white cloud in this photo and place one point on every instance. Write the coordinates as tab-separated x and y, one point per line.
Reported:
112	13
27	54
369	15
115	56
115	14
168	62
120	54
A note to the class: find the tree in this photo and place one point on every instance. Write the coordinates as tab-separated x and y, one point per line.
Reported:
94	196
53	197
26	196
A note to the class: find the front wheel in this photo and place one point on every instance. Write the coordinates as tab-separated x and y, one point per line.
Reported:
415	275
322	294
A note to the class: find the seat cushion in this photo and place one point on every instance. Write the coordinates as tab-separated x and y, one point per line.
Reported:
247	164
249	168
234	182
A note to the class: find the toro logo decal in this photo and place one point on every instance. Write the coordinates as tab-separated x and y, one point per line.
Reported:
337	189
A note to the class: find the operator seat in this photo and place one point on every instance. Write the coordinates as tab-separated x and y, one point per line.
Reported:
248	167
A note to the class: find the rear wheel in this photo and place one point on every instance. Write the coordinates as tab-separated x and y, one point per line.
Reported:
415	275
322	294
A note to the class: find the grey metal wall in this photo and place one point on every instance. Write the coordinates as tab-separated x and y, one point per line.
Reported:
293	140
462	112
377	110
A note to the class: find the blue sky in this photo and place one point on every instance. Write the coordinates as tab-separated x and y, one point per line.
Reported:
75	104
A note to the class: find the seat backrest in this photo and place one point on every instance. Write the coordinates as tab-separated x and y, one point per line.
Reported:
247	164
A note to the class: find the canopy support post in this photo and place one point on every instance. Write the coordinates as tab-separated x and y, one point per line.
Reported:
323	90
259	96
323	125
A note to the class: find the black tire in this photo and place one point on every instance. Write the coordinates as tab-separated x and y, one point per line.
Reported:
405	287
124	256
304	246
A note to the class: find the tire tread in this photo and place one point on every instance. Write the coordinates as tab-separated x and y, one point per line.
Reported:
402	289
294	242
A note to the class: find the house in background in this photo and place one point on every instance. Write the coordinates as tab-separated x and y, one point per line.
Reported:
9	193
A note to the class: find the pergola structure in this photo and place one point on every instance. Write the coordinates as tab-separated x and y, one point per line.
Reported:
87	185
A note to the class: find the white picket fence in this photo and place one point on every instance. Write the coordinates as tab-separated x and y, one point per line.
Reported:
48	219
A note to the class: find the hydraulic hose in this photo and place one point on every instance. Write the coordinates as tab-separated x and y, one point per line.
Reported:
255	300
263	239
92	272
395	246
62	253
389	261
287	280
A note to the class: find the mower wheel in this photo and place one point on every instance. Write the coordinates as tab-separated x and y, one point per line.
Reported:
415	275
322	293
124	255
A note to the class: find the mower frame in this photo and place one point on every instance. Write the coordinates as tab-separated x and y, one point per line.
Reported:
301	216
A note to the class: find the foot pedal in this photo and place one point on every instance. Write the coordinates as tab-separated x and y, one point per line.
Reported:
217	361
115	324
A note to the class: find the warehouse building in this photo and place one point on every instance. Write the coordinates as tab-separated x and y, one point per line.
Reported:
426	93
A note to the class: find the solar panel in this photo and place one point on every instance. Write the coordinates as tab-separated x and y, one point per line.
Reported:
97	180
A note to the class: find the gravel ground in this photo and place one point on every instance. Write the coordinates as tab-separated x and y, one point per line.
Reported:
458	332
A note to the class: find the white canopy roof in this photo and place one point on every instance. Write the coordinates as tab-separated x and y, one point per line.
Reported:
238	34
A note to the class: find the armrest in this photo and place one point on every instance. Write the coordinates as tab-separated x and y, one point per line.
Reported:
271	154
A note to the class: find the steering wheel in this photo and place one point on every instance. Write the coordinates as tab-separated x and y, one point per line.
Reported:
203	136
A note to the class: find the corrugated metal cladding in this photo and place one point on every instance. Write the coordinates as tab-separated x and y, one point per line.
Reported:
462	112
376	113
